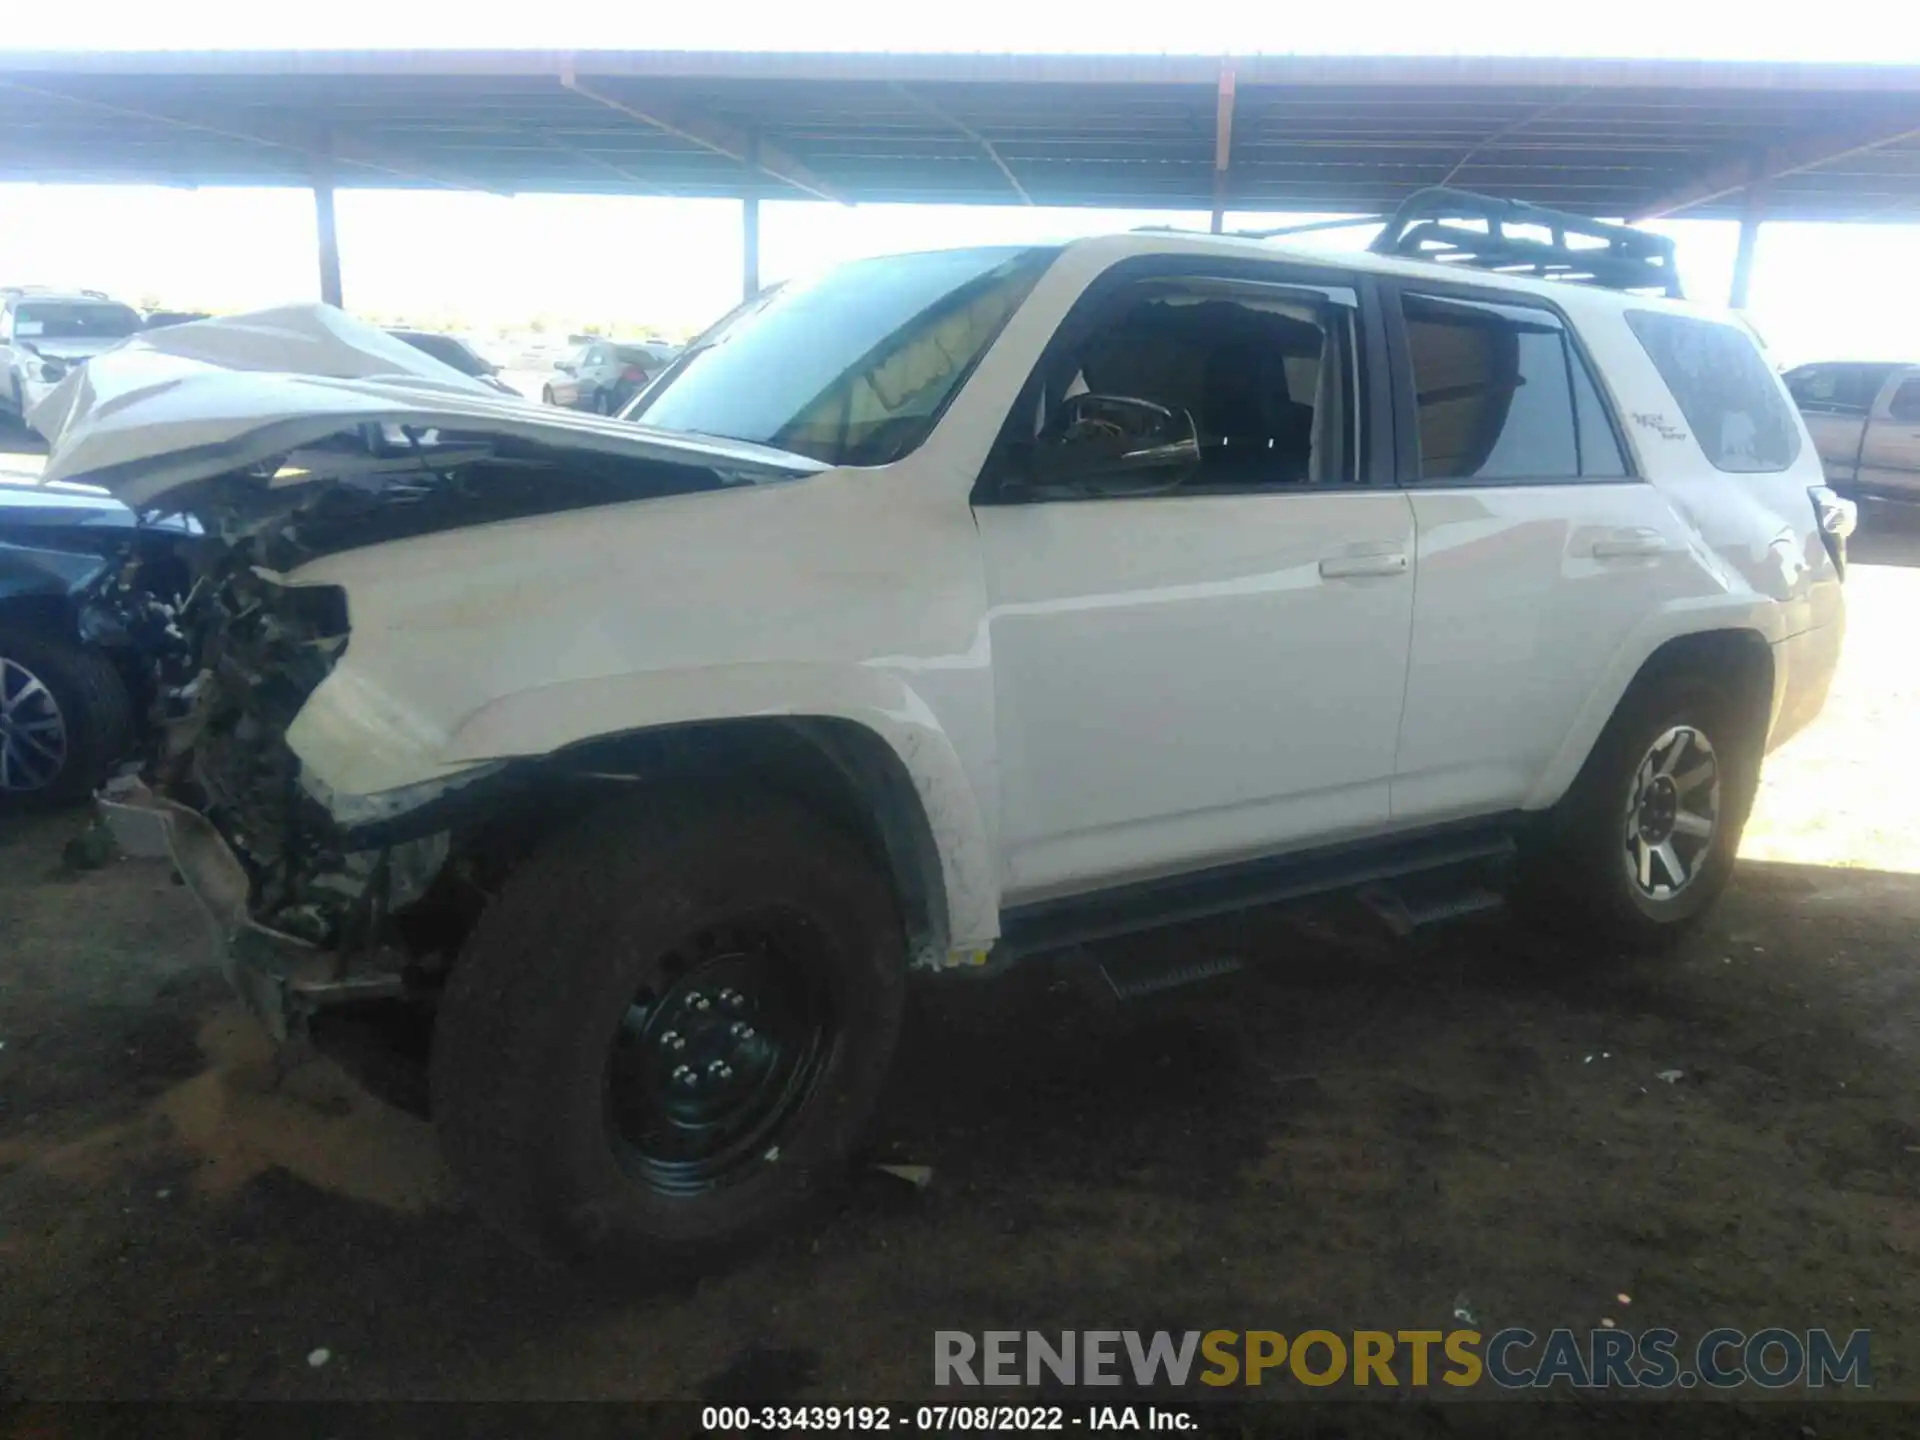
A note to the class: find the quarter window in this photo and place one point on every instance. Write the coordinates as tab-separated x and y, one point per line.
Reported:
1500	394
1731	400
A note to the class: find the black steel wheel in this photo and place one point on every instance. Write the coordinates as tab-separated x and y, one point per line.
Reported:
714	1056
664	1037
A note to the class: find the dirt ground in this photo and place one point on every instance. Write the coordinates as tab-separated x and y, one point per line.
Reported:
1353	1133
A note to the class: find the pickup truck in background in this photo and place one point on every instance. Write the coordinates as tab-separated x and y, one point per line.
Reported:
1865	422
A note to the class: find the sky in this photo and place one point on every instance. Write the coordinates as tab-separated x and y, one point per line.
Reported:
1819	290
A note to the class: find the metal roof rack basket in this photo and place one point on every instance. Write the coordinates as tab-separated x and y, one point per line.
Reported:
1459	227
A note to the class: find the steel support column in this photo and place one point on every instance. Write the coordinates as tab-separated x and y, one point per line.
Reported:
1222	144
328	238
1750	217
750	237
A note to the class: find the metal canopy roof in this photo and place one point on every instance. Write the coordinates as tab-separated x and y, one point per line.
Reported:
1288	133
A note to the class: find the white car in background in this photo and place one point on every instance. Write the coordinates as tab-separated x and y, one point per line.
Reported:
943	610
44	334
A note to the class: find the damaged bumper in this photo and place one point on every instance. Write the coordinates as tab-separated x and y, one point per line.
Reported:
281	979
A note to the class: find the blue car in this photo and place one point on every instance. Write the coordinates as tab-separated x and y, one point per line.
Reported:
86	630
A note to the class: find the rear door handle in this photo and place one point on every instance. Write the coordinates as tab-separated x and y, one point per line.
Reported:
1362	561
1635	543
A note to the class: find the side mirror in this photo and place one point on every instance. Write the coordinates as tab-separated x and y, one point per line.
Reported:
1116	444
565	367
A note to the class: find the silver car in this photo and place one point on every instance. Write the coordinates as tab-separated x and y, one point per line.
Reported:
46	333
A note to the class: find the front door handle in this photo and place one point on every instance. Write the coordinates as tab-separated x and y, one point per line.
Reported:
1358	562
1635	543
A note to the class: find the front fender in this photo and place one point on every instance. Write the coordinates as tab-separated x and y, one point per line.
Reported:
331	737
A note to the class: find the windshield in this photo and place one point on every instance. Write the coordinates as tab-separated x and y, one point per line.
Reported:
74	320
853	367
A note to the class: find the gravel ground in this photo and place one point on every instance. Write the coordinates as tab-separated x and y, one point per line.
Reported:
1353	1133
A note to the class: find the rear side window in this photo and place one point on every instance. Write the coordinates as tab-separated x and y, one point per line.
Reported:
1500	394
1729	397
1905	404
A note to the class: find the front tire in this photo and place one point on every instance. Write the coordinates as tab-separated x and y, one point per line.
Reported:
663	1039
65	718
1644	842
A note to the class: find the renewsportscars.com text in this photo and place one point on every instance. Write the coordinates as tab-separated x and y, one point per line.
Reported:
1512	1359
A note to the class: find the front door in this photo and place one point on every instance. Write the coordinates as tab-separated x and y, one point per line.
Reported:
1890	456
1198	612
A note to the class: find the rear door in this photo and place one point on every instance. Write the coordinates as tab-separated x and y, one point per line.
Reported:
1539	550
1199	652
1890	457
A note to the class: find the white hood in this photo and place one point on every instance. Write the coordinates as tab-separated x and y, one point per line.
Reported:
191	401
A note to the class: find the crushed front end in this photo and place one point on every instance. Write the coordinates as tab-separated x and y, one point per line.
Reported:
304	909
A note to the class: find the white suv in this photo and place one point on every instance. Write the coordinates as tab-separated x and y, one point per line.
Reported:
943	609
46	334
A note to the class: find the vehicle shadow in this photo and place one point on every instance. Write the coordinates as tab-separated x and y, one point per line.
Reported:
1353	1127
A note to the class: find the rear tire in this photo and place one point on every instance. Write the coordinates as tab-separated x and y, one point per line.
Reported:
1643	843
590	1080
65	718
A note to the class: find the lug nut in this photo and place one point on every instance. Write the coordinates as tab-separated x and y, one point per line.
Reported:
684	1075
740	1030
721	1070
674	1040
732	999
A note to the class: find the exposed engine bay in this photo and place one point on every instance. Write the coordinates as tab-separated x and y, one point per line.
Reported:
267	442
259	643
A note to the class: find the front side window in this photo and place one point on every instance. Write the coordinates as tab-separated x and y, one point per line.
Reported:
75	320
1246	385
853	367
1730	398
1500	394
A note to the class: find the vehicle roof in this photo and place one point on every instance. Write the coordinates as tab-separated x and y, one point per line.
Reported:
61	297
1567	295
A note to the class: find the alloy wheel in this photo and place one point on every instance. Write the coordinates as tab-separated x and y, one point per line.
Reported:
33	732
1672	813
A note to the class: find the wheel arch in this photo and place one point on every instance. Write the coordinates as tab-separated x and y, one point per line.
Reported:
840	768
1737	655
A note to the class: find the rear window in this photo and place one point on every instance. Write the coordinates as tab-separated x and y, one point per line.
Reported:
1731	400
1500	395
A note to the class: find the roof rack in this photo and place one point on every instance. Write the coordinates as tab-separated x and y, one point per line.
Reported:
1460	227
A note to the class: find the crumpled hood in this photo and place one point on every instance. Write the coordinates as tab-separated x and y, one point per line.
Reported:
189	402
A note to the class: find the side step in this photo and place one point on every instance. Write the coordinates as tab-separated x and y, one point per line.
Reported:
1449	858
1130	979
1403	913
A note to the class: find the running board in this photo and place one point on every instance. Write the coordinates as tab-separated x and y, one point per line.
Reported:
1048	925
1404	913
1134	977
